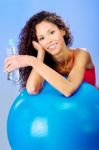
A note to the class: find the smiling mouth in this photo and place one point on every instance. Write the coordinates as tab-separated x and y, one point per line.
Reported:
52	47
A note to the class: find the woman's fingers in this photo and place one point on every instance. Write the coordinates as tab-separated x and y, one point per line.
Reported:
10	64
41	51
37	46
11	67
15	62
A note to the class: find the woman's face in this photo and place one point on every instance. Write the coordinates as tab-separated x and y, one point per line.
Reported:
50	37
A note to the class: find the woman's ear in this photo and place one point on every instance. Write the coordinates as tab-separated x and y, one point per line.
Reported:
63	32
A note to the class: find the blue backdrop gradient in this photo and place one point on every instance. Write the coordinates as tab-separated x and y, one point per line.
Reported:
81	15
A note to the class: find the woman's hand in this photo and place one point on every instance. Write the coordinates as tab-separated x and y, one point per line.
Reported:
41	51
16	61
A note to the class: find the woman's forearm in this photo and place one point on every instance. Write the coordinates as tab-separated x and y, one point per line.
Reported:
35	80
54	78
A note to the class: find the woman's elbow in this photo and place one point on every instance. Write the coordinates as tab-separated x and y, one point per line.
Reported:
70	91
32	91
68	94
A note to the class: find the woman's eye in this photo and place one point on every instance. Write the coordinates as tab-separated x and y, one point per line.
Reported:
52	32
42	38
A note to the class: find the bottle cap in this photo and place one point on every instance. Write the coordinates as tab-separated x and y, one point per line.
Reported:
11	42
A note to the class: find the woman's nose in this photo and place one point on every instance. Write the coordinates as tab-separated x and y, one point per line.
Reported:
49	39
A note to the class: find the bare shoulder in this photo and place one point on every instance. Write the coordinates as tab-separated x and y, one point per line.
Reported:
83	58
80	50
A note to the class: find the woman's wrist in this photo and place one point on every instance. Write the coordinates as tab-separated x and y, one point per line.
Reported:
41	55
32	61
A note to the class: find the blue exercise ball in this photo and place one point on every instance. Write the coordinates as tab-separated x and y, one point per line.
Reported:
51	121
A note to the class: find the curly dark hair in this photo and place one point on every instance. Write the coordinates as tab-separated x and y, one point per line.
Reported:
28	34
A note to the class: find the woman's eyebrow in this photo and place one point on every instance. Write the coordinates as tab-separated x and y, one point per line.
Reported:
47	31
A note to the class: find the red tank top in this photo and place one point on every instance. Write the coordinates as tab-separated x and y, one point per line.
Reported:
89	75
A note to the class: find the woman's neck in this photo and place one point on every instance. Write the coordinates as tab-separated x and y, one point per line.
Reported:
62	56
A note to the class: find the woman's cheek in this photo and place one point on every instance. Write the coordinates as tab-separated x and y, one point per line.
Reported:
43	46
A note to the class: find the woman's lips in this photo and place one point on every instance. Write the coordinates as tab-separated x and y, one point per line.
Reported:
53	46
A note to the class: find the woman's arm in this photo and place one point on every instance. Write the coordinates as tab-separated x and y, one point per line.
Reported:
69	86
35	80
66	87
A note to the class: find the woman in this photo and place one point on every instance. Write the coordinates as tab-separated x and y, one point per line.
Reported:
44	54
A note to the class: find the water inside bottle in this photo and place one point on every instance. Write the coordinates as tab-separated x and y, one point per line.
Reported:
12	50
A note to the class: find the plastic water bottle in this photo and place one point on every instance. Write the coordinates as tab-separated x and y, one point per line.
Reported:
12	50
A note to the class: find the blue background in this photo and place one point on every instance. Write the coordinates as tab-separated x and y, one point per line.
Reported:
82	16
